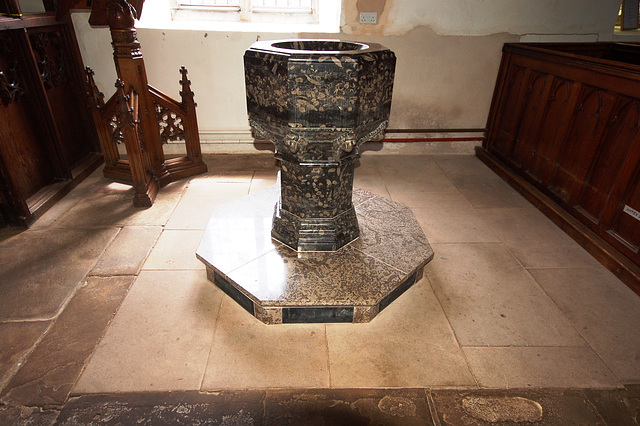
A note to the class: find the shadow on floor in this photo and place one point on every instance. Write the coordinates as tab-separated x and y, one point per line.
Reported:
344	407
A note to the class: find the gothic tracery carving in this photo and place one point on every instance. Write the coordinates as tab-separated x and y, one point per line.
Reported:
116	132
49	52
10	79
170	124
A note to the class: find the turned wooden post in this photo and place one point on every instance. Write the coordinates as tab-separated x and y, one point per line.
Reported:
131	70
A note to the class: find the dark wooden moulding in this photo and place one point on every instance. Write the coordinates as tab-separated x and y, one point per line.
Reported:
47	142
564	130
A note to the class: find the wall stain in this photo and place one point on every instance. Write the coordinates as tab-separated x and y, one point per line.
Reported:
352	16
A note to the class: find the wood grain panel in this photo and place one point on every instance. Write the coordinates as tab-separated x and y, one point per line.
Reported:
558	109
610	166
537	94
509	111
23	142
65	96
582	141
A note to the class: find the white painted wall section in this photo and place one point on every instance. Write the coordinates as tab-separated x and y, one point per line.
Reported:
448	56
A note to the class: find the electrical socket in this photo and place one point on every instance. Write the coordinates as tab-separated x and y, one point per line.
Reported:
368	17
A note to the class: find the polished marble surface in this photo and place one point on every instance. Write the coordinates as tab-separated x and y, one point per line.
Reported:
317	101
278	284
315	211
306	94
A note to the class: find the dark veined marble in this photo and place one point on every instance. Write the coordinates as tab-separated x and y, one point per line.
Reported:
317	101
279	285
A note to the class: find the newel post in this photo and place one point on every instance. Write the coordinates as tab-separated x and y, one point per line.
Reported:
131	70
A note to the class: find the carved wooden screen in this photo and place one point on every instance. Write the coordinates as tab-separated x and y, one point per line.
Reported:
60	76
25	141
47	141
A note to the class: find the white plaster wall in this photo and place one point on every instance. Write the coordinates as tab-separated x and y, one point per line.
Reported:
485	17
216	71
214	61
442	82
448	56
95	47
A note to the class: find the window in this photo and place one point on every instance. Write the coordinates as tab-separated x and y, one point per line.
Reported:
628	15
256	6
282	11
244	15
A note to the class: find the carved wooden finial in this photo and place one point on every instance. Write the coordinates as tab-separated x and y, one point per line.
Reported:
120	14
124	113
120	87
96	95
186	93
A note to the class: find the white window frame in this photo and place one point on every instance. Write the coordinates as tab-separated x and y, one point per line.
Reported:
324	17
245	12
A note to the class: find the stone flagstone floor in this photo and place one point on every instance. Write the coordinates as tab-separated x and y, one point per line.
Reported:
106	315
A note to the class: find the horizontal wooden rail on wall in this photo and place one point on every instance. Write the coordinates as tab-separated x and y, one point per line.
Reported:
401	139
405	140
443	131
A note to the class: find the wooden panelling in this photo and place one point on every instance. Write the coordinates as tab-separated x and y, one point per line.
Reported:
56	64
47	140
561	102
566	118
24	143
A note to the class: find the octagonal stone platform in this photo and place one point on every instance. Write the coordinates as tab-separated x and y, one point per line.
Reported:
278	285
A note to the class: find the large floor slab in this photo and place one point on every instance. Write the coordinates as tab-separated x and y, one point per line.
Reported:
18	340
247	354
39	270
160	338
201	197
48	375
535	367
488	191
605	312
127	252
110	205
462	224
491	300
175	249
410	344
